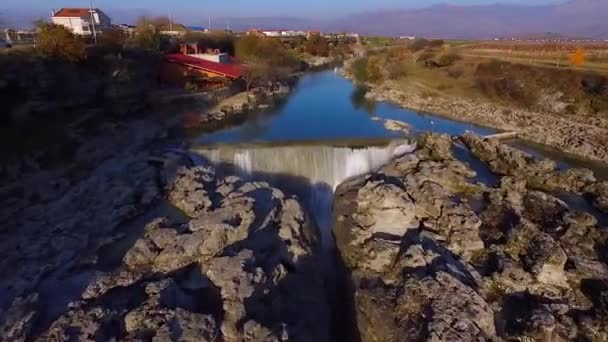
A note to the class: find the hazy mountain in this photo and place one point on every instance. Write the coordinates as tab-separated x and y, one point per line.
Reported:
575	18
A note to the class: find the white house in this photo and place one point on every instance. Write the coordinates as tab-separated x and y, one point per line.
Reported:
272	33
80	20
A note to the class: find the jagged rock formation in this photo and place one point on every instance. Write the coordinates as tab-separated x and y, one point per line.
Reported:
542	175
428	262
244	267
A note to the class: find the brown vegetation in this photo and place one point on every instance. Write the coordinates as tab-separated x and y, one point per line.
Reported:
56	41
557	54
317	46
264	60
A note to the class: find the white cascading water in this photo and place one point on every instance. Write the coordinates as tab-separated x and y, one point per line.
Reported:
322	168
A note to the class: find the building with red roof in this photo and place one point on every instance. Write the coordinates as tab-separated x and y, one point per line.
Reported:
82	21
181	69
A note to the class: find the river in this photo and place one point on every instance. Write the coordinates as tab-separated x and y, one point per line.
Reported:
326	131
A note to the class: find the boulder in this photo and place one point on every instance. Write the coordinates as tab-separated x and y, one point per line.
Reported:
523	265
539	174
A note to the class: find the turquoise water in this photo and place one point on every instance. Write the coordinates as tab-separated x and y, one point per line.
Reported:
326	106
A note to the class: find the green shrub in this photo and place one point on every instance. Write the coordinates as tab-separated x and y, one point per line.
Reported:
359	70
448	59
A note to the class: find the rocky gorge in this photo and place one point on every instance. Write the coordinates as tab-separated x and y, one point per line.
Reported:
97	260
142	235
431	254
423	251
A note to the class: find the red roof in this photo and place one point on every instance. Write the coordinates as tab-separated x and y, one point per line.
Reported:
74	12
227	70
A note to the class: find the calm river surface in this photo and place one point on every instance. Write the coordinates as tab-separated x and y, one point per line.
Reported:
326	106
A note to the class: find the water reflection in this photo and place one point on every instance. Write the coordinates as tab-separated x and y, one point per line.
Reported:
326	106
359	100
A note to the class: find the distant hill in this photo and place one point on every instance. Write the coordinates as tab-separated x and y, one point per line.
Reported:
581	18
574	18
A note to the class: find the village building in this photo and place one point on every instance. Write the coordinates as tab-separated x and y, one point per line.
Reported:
276	33
82	21
208	69
129	30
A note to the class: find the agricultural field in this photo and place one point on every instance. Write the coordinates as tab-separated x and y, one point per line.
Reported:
556	54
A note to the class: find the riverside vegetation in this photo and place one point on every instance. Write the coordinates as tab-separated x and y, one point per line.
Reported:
565	108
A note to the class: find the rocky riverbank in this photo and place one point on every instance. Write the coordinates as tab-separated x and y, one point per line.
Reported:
131	241
239	105
432	254
585	136
239	263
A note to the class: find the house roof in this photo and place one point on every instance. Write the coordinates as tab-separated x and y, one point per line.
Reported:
74	12
227	70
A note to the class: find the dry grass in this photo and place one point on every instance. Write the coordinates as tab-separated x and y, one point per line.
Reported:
549	54
496	80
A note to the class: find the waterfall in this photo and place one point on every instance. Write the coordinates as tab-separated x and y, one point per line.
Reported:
312	172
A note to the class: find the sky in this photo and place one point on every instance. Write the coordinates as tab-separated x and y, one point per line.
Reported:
186	10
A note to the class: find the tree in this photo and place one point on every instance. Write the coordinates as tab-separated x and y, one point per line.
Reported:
113	38
317	46
263	60
57	41
359	70
147	33
220	40
577	58
374	72
254	72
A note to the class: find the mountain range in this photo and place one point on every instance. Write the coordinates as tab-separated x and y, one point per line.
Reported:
574	18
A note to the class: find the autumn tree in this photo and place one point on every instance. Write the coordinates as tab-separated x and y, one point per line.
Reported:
57	41
577	58
147	33
223	41
317	46
374	70
113	38
359	69
262	60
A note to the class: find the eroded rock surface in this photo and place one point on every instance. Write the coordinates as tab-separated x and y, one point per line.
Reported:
243	267
431	255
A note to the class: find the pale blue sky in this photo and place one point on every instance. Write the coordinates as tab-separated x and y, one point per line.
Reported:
306	8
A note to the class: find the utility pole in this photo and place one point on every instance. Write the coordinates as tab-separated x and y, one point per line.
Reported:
170	22
93	21
209	26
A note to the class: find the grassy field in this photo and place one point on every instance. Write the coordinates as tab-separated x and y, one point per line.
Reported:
457	72
550	54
